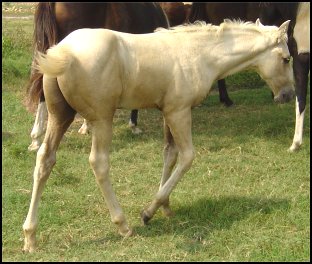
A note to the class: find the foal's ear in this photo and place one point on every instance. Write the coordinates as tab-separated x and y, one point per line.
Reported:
258	23
284	27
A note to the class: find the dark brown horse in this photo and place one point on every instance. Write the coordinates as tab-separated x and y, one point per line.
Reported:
177	12
54	21
269	14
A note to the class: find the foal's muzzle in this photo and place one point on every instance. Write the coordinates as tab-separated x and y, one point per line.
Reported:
284	96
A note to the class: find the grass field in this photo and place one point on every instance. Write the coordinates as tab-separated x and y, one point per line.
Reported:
244	199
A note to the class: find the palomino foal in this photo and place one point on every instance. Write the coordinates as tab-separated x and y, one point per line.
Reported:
95	71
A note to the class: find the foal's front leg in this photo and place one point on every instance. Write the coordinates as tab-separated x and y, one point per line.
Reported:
99	161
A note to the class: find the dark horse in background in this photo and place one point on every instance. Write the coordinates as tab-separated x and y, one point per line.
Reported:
270	14
54	21
177	12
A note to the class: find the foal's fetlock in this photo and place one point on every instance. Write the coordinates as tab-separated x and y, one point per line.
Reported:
29	241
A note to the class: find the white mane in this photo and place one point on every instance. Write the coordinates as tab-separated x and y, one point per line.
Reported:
227	24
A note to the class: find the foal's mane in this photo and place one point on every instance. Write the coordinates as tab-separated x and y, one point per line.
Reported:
227	24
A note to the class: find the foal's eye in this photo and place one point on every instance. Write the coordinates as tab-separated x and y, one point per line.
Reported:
286	60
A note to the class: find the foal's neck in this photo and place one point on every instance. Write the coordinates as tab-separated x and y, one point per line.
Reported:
237	50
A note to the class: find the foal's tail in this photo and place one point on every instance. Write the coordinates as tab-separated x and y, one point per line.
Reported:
55	62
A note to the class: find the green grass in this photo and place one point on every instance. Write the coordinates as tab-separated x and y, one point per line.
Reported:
244	199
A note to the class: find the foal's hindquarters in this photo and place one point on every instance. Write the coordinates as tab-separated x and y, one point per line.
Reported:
61	115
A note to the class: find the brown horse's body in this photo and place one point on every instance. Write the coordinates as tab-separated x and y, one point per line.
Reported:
177	12
54	21
269	14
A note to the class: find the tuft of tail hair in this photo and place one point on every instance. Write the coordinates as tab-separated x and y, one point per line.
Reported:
55	62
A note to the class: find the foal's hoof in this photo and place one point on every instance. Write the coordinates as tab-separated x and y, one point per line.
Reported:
34	146
145	217
29	247
28	250
127	233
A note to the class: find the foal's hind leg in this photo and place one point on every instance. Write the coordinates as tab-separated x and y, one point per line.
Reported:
59	119
170	159
180	128
99	161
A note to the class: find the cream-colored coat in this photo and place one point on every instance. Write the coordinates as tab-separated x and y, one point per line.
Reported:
95	71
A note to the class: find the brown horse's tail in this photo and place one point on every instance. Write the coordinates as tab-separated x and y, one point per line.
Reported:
45	36
197	12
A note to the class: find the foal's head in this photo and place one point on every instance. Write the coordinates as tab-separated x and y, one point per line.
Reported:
274	66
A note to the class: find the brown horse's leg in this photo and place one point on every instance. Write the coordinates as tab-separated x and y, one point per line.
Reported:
99	161
224	97
133	122
180	127
301	72
59	119
170	159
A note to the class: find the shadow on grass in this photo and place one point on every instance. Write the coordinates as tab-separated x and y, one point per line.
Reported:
193	224
207	215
